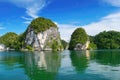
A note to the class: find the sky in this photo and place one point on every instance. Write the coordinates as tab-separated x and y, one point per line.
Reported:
93	15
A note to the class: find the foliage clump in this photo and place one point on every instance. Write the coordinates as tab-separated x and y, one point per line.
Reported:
78	36
10	40
92	45
30	48
56	46
108	40
41	24
65	44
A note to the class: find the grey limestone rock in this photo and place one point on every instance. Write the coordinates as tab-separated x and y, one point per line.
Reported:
80	46
42	40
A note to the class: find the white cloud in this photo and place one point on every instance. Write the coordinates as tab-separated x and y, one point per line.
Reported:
29	19
66	30
33	7
110	22
1	27
115	3
27	22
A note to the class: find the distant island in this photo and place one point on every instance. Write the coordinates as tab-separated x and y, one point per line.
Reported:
42	34
80	40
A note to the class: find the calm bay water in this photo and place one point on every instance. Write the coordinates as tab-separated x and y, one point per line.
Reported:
66	65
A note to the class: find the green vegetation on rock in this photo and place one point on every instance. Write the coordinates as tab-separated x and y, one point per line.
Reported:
78	36
10	40
65	44
41	24
13	41
22	39
29	48
56	46
108	40
92	45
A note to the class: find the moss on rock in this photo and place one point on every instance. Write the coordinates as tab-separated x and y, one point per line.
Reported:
41	24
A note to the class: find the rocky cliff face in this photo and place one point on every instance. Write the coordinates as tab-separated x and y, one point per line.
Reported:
80	46
43	40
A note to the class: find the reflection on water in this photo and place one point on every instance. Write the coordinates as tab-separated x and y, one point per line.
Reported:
105	63
79	60
42	65
48	61
111	57
66	65
87	53
37	65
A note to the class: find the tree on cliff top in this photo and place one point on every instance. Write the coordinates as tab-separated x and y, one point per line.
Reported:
78	36
41	24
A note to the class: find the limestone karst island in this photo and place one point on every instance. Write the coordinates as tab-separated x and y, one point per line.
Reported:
59	40
42	34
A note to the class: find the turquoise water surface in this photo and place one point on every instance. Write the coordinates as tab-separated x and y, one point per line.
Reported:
66	65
